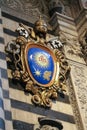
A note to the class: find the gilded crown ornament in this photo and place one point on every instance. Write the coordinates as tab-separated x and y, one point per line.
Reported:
40	64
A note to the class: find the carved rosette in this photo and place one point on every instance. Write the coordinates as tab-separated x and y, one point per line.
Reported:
43	69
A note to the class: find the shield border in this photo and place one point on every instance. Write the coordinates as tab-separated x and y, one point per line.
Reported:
56	64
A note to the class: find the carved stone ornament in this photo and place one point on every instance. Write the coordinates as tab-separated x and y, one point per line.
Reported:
60	6
83	42
30	7
40	64
48	124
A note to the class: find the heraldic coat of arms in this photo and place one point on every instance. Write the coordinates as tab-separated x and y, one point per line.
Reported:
39	63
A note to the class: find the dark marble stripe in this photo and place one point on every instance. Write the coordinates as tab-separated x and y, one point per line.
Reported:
4	73
6	94
64	100
6	15
1	40
1	104
2	56
0	21
19	125
15	84
8	115
10	32
13	33
42	111
2	124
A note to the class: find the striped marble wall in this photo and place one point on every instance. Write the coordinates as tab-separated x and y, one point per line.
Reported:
2	122
23	113
5	106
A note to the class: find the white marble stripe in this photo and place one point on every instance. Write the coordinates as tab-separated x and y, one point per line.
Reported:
1	33
2	113
5	84
7	104
3	64
2	47
8	125
56	106
24	116
32	118
68	126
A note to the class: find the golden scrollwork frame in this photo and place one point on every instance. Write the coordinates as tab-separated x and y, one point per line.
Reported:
42	94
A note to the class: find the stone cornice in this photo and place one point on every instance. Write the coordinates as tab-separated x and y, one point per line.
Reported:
62	17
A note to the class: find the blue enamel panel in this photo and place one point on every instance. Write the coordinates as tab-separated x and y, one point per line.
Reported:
41	65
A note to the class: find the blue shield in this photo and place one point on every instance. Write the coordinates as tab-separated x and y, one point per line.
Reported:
40	63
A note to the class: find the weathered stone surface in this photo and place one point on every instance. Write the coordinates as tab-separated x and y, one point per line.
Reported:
30	7
30	10
79	82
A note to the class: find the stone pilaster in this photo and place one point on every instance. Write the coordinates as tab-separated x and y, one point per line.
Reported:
69	33
79	83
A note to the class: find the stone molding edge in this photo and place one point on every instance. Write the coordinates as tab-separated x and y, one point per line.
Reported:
74	105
